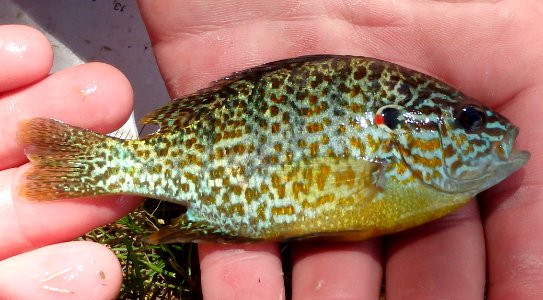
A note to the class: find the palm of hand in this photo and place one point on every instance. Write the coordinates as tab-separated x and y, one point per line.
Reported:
491	51
488	50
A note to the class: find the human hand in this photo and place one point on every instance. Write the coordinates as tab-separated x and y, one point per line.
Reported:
34	263
489	50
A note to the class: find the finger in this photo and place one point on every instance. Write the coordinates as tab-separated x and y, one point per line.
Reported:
250	271
25	56
29	225
512	212
336	270
445	257
74	270
95	96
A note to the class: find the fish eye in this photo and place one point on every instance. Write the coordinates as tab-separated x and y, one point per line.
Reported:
388	116
471	117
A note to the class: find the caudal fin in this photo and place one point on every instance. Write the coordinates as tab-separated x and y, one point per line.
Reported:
67	161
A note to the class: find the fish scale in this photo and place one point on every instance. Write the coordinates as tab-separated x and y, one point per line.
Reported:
300	148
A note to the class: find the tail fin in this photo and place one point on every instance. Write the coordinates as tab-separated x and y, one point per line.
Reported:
67	161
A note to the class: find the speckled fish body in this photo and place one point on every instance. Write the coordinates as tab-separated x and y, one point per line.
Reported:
322	146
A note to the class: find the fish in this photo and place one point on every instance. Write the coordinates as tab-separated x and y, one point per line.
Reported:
329	147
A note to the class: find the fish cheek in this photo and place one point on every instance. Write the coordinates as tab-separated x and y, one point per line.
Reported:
421	150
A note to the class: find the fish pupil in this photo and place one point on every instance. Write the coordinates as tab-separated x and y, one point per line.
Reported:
471	118
391	117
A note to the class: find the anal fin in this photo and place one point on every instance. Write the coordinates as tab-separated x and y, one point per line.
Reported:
186	231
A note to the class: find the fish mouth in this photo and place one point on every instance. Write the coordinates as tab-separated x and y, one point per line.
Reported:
514	157
498	172
511	161
516	160
507	161
505	150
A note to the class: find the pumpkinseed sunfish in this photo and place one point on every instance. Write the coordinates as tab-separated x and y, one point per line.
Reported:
339	147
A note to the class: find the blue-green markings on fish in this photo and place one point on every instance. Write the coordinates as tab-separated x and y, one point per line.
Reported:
337	147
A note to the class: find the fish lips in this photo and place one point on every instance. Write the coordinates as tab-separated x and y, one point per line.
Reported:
511	161
507	161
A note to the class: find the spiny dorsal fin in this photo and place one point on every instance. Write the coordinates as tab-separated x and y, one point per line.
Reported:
257	71
180	112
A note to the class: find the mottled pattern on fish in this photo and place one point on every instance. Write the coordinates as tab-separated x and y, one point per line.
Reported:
349	147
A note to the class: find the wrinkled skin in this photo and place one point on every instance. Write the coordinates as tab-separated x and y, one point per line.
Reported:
490	50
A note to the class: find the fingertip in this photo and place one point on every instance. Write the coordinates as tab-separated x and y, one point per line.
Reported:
96	96
346	270
25	56
248	271
102	88
74	269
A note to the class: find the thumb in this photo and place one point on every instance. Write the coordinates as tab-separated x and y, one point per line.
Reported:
79	270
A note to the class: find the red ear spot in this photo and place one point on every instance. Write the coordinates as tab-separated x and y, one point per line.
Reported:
379	119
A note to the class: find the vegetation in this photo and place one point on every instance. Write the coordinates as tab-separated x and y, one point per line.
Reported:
151	271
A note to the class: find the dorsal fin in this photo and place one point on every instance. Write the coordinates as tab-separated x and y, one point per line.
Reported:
182	111
257	71
178	113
